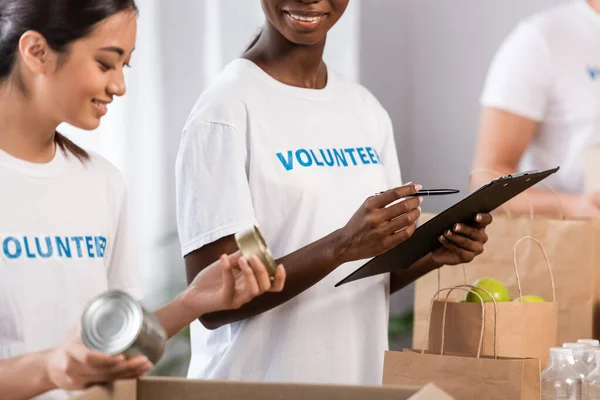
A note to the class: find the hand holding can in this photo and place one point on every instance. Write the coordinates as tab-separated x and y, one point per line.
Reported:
231	282
73	366
115	323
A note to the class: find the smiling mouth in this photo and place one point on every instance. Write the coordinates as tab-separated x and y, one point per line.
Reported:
305	19
101	106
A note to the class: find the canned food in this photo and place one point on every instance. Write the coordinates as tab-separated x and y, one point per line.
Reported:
115	323
252	243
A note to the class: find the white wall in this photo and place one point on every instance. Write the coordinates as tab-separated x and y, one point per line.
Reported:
426	61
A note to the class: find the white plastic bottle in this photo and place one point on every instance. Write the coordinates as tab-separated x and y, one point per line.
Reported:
580	351
591	383
590	342
559	380
591	345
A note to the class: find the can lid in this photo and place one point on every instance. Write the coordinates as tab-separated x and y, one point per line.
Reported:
251	242
111	322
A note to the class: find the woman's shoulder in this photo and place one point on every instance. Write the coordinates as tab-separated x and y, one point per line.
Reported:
352	90
223	100
554	22
558	13
98	170
101	163
347	86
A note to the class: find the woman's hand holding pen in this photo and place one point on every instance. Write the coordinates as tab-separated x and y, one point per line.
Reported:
378	226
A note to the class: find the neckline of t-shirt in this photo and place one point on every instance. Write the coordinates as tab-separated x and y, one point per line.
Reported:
294	91
589	11
41	170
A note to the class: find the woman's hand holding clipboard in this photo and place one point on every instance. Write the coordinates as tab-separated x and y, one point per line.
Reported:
428	237
389	218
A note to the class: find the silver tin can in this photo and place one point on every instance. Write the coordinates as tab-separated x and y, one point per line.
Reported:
116	323
251	243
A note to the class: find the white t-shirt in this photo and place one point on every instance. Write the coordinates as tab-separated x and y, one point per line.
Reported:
298	163
548	70
64	238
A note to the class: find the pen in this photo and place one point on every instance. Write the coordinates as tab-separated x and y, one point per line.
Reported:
430	192
436	192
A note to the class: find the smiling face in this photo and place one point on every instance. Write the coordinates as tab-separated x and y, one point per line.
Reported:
85	80
304	22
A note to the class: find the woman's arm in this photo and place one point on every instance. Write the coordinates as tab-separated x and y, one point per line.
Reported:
516	96
304	268
25	377
402	278
503	139
373	229
226	284
70	366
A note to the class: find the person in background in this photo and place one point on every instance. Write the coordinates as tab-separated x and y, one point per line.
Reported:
299	150
64	234
541	107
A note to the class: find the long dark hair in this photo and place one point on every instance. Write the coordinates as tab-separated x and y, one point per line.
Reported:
61	22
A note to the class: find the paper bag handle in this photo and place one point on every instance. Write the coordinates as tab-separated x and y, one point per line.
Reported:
494	331
545	258
439	276
466	288
499	175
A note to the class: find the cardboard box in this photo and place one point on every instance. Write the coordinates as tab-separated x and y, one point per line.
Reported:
187	389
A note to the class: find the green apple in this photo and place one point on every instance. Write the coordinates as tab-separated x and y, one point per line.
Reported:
529	299
497	289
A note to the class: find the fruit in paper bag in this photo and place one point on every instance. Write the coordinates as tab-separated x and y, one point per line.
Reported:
497	289
529	299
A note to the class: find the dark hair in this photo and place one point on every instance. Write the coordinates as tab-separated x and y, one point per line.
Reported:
61	22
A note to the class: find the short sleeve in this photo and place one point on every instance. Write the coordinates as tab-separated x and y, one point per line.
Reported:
389	154
122	272
212	190
519	78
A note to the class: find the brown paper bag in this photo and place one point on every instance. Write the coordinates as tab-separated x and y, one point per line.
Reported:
525	330
572	245
464	376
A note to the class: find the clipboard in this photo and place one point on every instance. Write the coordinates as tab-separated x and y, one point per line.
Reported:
425	238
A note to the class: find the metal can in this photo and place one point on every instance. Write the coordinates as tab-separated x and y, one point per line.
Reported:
252	243
116	323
